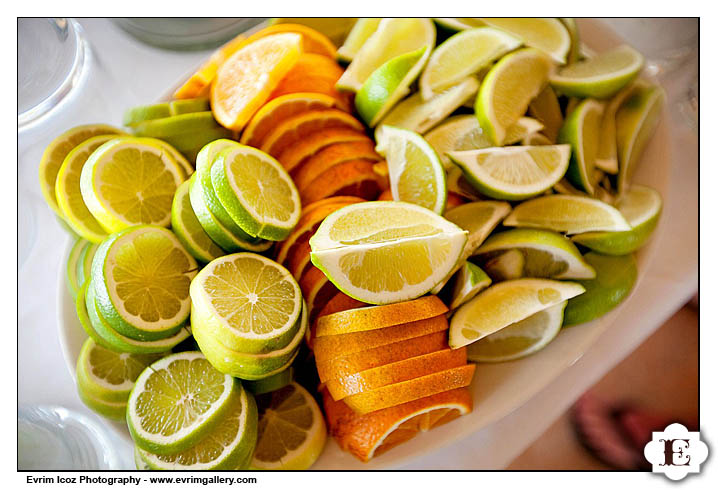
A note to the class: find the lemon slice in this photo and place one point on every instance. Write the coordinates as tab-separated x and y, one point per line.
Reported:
581	130
506	303
415	172
189	230
468	281
292	432
387	251
361	31
545	34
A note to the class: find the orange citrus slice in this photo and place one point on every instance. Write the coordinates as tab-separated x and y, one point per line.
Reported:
338	302
198	84
397	372
351	364
277	110
316	289
329	200
413	389
299	259
332	346
352	178
296	128
330	156
376	317
381	169
312	41
367	436
385	195
294	156
245	81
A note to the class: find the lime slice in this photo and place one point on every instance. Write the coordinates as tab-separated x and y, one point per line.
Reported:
415	172
272	383
545	253
507	90
535	139
69	196
177	401
615	278
506	303
546	109
126	182
71	277
457	183
636	121
505	266
176	125
190	144
387	251
139	462
393	37
141	277
228	447
416	114
109	375
257	192
111	410
607	154
567	214
458	23
360	33
545	34
189	230
248	302
581	131
84	265
463	55
513	173
388	84
601	76
519	339
574	54
103	334
138	114
292	432
181	160
641	206
468	281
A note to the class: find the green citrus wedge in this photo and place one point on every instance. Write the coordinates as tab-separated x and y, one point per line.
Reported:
574	54
468	281
546	109
84	265
138	114
607	154
581	130
545	34
188	229
360	33
271	383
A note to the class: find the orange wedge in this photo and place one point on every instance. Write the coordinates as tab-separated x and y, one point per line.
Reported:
340	302
296	128
314	73
413	389
245	81
352	178
316	289
275	111
381	169
330	156
343	366
293	156
198	84
375	317
397	372
313	41
332	346
299	260
367	436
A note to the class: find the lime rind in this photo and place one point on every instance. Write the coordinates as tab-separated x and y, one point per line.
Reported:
84	265
178	157
361	31
110	410
581	130
456	24
607	154
188	229
73	259
469	281
271	383
532	31
174	125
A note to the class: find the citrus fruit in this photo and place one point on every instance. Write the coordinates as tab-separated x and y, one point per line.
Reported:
468	281
330	156
361	31
545	253
393	37
463	55
536	139
189	230
387	251
84	264
55	153
181	160
299	259
641	206
295	155
601	76
248	302
198	84
457	184
272	383
574	54
292	432
174	126
139	462
567	214
111	410
335	28
545	34
139	114
177	401
228	446
338	302
506	303
615	278
71	276
415	171
350	178
313	73
513	173
606	155
545	108
246	80
507	90
141	279
454	24
581	130
313	41
519	339
317	290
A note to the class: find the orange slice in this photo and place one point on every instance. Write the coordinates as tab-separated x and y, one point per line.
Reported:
299	260
245	81
198	84
330	156
329	200
293	156
381	169
332	346
352	178
314	73
338	302
296	128
275	111
367	436
313	41
397	372
385	196
375	317
413	389
316	289
343	366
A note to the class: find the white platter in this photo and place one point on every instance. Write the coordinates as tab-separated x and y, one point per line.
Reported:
498	389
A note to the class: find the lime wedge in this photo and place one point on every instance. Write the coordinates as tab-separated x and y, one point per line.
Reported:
505	266
415	173
607	154
574	54
139	114
581	131
457	183
567	214
519	339
546	109
175	125
468	281
545	34
601	76
189	230
360	33
463	55
458	23
506	303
